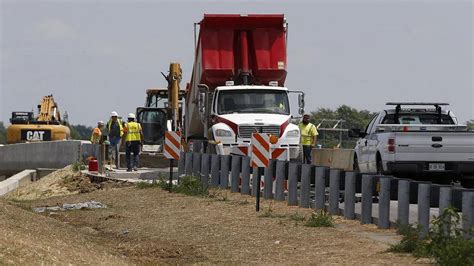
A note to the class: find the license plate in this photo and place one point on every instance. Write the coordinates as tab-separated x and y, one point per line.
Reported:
436	167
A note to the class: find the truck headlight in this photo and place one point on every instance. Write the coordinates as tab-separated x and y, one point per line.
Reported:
293	133
223	133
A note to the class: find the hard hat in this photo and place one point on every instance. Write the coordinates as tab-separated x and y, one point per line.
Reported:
113	113
131	115
100	122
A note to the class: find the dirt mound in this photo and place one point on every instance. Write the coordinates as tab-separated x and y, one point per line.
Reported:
59	183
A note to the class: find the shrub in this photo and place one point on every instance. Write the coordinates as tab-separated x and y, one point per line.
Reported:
410	242
445	242
189	185
320	218
78	166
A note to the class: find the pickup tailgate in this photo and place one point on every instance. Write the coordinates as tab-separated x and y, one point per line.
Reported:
434	146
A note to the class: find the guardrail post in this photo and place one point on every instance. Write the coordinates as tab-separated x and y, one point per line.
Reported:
293	171
181	162
281	176
215	169
445	198
334	190
320	187
467	213
225	161
245	189
403	202
424	208
366	211
268	175
205	169
235	173
306	171
254	181
188	164
384	203
349	195
196	164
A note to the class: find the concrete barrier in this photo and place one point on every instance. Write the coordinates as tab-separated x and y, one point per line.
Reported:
52	154
20	179
334	158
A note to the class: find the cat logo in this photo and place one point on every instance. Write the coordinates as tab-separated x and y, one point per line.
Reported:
35	135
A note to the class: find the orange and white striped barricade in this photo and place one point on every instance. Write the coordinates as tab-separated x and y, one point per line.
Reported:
260	158
241	149
171	150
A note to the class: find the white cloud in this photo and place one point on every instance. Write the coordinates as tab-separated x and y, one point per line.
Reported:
55	30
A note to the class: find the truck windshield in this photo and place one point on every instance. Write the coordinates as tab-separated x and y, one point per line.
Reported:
414	118
253	101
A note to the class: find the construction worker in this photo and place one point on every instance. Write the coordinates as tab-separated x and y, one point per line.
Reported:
115	132
133	140
309	134
96	136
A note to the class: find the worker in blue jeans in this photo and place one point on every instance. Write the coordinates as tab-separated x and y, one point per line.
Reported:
115	131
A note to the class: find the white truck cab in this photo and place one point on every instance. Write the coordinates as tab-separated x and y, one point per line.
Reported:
230	114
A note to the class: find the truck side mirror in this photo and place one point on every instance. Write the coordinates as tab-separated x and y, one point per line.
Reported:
301	101
301	111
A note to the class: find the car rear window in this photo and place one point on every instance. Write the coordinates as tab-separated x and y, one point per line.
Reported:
411	118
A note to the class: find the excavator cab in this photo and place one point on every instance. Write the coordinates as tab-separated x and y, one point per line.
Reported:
155	118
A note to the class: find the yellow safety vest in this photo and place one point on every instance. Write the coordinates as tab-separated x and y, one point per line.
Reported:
133	131
308	132
119	121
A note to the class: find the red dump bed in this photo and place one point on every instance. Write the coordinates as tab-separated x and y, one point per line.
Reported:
230	45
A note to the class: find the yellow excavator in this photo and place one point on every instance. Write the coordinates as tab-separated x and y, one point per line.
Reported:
47	126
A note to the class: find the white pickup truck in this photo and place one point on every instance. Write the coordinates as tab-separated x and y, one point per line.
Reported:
422	142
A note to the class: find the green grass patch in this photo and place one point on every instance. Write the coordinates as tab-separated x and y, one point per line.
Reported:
320	218
297	217
445	242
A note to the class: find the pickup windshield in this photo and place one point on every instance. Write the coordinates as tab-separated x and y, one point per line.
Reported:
421	118
253	101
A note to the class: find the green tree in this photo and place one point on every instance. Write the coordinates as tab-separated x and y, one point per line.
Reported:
352	117
80	132
3	134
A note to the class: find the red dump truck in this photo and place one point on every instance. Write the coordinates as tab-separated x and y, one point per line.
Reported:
237	84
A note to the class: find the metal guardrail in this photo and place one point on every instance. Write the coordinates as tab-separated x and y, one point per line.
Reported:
334	190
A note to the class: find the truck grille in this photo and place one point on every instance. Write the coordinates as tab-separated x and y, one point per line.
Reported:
246	131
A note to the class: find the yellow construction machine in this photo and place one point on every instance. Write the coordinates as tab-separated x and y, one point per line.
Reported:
47	126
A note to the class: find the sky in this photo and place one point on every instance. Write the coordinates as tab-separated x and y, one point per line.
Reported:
100	56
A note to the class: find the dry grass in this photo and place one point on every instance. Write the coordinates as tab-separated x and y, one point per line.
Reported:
154	226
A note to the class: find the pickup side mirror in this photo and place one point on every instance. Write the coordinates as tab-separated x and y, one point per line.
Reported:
355	133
